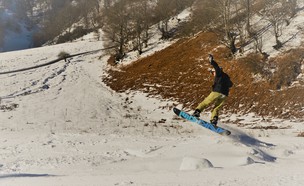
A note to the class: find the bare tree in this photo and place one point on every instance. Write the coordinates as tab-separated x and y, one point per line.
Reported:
247	6
164	11
90	12
291	7
117	27
204	15
258	42
276	14
141	13
227	12
106	4
240	23
59	18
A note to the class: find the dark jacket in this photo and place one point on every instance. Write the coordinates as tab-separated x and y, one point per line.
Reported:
222	82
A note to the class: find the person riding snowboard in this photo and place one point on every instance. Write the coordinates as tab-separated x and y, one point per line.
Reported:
220	91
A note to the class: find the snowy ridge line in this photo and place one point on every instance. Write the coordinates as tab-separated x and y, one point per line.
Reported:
55	61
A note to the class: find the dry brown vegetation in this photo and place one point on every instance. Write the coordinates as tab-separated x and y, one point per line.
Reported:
301	134
179	73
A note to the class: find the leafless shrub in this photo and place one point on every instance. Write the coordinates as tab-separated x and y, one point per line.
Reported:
287	67
63	54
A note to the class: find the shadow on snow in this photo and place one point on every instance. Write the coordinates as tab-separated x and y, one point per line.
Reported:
249	141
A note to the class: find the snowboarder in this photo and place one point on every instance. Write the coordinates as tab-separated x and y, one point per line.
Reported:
220	91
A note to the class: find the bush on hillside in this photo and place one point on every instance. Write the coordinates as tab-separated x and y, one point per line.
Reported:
255	64
287	68
187	29
63	55
301	134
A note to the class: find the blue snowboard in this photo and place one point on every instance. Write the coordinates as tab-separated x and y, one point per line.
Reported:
201	122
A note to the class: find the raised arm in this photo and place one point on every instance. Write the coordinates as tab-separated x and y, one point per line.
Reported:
218	70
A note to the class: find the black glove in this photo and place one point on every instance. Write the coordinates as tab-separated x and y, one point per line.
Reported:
210	57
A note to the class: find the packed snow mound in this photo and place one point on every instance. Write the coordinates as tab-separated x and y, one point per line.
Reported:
192	163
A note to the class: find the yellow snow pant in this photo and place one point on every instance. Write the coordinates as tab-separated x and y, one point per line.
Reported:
218	100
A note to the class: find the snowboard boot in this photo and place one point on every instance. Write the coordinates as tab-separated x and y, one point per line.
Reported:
213	121
196	113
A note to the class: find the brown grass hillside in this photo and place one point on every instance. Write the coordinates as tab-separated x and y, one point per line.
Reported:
180	73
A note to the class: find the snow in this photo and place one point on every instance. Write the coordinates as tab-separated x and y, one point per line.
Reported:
60	125
79	132
291	35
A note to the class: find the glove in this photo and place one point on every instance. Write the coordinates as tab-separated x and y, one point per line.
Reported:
210	58
210	69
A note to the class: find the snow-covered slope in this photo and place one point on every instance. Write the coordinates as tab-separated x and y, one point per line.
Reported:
60	125
291	35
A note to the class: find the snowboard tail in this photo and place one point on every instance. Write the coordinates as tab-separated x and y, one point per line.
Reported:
201	122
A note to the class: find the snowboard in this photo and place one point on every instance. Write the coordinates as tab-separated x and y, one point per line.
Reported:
201	122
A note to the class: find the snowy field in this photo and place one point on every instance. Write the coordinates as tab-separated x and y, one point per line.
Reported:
60	125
